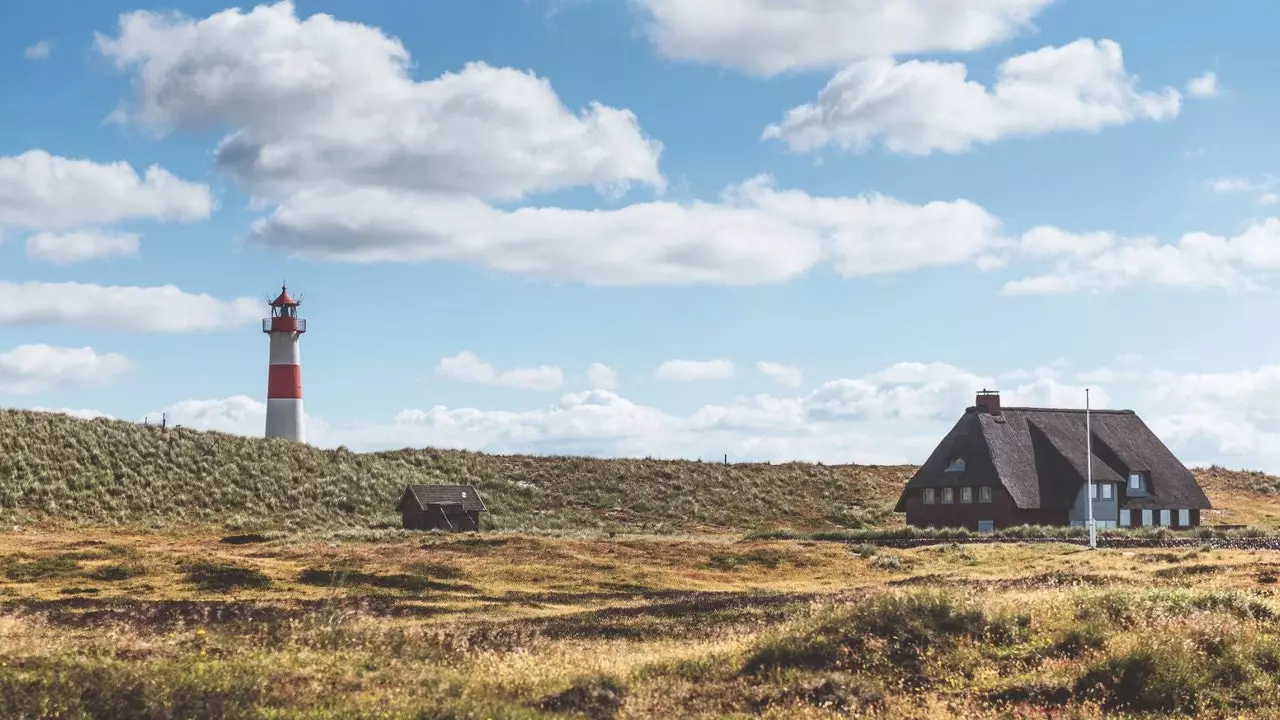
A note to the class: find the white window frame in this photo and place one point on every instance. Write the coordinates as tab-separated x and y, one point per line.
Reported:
1108	492
1093	491
1135	481
984	494
1146	518
948	496
966	496
1166	517
1184	517
928	496
1126	518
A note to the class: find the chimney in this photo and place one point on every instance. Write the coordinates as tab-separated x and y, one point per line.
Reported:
989	400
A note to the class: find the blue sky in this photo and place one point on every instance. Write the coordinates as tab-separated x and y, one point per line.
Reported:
891	210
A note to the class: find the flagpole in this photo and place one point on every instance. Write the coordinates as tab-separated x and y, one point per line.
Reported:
1088	451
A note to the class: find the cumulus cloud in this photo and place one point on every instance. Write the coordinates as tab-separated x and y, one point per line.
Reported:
1262	187
81	246
784	374
38	51
468	366
46	192
319	101
1205	85
1100	262
31	369
163	308
767	37
82	413
756	233
602	377
896	415
920	107
687	370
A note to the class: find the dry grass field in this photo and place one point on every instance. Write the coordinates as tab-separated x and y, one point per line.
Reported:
160	574
110	625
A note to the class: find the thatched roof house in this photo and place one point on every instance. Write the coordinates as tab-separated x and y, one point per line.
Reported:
440	507
1011	466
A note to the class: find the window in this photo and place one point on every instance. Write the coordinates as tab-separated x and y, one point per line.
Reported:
1146	517
1125	518
1093	491
986	526
1164	517
928	496
956	465
966	495
984	494
1184	518
1135	481
1108	491
948	496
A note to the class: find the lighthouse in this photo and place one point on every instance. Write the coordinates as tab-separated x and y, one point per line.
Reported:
284	376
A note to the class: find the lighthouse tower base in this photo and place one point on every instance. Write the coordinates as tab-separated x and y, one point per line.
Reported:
284	419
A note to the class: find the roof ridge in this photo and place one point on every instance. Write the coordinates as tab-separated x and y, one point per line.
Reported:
1092	411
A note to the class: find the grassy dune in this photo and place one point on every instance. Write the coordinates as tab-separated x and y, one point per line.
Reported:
108	471
58	468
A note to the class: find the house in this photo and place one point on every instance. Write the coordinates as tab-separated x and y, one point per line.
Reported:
440	507
1001	467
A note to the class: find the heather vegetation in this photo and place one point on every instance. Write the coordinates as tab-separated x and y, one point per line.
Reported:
519	626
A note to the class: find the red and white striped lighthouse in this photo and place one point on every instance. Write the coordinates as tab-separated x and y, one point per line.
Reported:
284	376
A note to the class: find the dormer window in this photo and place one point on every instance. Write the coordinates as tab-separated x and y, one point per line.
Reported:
957	465
1138	484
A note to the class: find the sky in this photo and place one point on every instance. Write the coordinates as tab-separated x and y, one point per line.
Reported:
762	229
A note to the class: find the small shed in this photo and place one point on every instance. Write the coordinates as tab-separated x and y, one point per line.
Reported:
440	507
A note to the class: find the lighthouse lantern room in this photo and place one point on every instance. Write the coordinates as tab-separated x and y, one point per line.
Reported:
284	376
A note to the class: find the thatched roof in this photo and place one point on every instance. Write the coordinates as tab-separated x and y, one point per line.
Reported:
428	495
1038	455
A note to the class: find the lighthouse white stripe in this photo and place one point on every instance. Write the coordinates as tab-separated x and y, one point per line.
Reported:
284	419
284	349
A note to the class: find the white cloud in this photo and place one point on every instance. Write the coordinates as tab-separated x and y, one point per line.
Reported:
1102	262
80	246
38	51
920	107
1261	188
687	370
893	416
1231	185
46	192
115	307
1205	85
318	101
82	413
602	377
31	369
467	366
755	234
784	374
767	37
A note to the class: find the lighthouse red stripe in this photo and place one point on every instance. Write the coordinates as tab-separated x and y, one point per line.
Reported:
284	382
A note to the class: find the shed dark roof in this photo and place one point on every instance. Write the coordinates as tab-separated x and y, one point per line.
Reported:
1038	455
427	495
